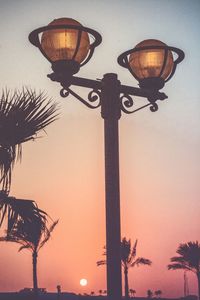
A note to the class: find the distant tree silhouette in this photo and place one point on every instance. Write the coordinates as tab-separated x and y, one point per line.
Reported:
149	294
128	259
32	237
132	292
100	292
188	260
158	293
92	293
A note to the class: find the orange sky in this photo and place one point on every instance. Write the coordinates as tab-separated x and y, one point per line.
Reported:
64	170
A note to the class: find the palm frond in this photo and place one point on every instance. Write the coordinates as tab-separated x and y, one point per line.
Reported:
141	261
18	210
17	238
125	250
25	247
22	115
48	234
8	239
188	259
101	262
179	266
134	250
11	238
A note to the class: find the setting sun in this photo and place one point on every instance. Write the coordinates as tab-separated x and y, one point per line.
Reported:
83	282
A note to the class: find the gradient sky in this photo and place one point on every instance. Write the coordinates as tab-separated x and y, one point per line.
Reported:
64	170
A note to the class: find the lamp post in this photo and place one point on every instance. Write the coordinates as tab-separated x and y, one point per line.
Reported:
68	46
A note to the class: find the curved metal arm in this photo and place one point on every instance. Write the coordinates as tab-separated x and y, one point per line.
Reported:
127	102
93	97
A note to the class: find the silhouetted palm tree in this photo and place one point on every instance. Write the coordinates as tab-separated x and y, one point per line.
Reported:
128	259
158	293
100	292
32	237
132	292
188	260
92	293
22	116
149	294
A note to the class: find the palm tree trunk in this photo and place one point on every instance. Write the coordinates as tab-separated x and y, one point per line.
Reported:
126	288
35	283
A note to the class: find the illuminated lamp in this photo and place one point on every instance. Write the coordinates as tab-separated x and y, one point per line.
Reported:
151	62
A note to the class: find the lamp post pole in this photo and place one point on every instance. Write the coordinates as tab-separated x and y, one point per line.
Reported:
151	62
111	113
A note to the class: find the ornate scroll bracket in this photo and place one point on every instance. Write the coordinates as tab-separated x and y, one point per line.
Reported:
94	97
126	103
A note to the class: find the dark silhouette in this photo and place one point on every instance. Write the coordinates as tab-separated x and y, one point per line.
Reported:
132	292
149	294
22	115
158	293
128	259
58	291
92	293
17	210
188	260
31	236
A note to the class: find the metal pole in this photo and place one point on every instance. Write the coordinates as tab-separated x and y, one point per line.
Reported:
111	113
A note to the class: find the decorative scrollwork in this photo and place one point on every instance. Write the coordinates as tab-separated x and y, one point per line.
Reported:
126	101
154	107
64	93
94	96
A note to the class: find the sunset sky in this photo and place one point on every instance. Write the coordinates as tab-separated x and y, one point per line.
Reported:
63	171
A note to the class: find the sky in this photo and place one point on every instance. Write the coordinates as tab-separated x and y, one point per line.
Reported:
63	171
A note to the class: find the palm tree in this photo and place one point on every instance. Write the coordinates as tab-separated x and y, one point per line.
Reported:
132	292
128	259
22	116
100	292
188	260
158	293
31	236
149	294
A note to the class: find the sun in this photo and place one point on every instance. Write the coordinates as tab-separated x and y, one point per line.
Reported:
83	282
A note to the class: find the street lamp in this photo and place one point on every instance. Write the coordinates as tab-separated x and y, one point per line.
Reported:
68	46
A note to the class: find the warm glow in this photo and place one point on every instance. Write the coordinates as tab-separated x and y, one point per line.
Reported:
61	44
149	63
83	282
63	169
